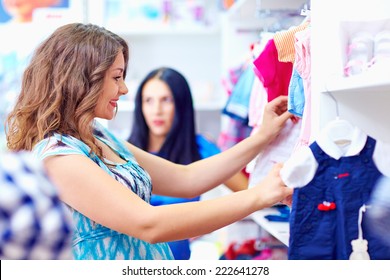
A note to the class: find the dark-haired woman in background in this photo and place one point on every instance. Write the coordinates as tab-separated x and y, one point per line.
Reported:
164	124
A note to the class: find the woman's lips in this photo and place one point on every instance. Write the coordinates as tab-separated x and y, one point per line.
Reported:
158	123
113	103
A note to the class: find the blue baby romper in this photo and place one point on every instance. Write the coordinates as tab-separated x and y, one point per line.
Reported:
324	213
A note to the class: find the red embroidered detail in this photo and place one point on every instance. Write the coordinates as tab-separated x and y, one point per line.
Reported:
343	175
326	206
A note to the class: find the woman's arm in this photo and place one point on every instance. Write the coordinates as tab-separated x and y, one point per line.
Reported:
194	179
84	186
238	182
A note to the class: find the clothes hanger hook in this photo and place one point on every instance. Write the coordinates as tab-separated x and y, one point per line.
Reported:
335	101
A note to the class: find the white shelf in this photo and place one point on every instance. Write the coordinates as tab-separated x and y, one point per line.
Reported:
244	9
369	82
280	230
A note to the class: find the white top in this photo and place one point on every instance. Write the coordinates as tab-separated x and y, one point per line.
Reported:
300	168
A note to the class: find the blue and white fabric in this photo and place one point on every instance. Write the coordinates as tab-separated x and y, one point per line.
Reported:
34	223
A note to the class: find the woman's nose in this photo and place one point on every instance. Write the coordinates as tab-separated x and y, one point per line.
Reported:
157	106
123	88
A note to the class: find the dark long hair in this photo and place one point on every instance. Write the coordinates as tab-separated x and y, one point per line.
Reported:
180	145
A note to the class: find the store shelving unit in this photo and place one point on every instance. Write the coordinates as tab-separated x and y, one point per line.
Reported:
279	230
361	99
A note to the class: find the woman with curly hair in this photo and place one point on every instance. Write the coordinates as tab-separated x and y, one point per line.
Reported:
77	75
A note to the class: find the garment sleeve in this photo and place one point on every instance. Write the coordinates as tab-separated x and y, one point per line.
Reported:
299	169
53	147
265	66
381	157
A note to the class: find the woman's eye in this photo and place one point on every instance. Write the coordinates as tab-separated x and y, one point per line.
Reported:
118	78
168	99
148	100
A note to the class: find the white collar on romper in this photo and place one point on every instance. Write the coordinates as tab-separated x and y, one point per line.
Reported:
301	167
355	141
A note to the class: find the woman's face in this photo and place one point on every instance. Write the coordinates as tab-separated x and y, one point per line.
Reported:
158	107
113	87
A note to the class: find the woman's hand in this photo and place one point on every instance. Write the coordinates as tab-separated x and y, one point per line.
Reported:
272	189
274	117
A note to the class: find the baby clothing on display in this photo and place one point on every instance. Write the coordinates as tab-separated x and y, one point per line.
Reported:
278	151
332	180
237	106
285	40
302	66
274	75
296	95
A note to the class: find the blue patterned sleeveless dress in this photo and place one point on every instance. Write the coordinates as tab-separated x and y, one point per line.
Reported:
92	241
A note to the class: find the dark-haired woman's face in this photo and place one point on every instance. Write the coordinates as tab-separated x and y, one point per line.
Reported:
158	107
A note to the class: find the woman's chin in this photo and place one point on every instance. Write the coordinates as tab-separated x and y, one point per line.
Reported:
107	117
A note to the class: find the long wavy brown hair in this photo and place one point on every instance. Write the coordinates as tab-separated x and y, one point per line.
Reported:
62	84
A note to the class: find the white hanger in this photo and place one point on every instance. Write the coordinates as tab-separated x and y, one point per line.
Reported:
340	131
